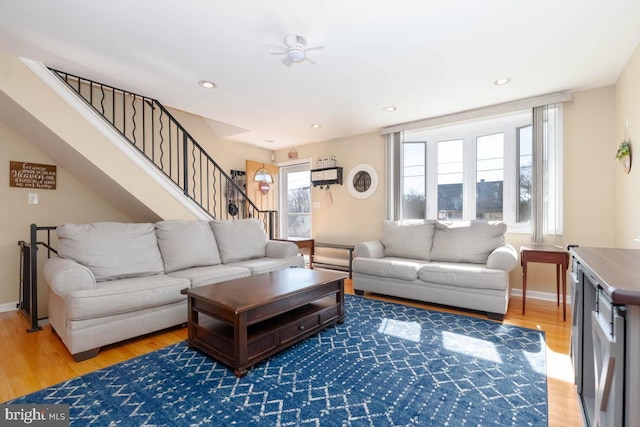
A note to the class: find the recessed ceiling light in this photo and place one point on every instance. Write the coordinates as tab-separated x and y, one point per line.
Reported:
207	84
315	126
502	81
390	108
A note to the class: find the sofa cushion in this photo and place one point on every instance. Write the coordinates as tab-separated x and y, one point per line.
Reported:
408	239
393	268
239	239
200	276
111	250
466	241
124	296
186	244
266	264
463	275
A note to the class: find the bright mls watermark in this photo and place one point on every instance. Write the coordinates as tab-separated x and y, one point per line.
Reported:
34	415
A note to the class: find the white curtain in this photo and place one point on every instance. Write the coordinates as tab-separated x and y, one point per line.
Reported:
392	145
547	174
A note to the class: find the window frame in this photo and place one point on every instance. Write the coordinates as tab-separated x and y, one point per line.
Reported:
302	165
469	134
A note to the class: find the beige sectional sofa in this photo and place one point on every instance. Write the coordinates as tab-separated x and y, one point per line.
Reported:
114	281
464	264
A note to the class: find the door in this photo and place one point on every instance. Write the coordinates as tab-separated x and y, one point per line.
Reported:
295	204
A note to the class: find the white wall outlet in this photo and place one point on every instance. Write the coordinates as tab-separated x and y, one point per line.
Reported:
33	198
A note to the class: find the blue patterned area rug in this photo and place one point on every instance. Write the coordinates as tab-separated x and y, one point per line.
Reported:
387	365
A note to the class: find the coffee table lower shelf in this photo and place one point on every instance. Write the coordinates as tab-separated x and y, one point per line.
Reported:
240	349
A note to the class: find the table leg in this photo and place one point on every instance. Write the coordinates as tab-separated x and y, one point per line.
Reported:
524	285
564	291
558	284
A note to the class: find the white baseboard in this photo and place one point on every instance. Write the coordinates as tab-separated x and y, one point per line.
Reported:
10	306
545	296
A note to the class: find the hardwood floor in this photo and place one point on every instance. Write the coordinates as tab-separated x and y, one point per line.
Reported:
32	361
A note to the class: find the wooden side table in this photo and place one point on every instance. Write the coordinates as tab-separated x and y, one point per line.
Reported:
550	255
305	246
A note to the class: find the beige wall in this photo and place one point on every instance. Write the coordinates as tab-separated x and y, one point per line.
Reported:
338	217
71	201
628	186
589	168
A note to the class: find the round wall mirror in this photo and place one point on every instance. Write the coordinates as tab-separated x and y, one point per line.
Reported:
362	181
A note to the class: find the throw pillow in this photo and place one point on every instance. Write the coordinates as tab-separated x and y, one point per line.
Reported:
467	241
111	250
239	239
186	244
408	239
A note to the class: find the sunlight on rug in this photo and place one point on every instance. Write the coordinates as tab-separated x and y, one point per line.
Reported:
387	365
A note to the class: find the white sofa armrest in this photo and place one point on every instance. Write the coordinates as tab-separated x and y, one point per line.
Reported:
369	249
503	257
281	249
65	276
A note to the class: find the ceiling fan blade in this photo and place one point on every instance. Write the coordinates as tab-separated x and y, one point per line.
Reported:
277	50
313	48
306	58
287	61
291	40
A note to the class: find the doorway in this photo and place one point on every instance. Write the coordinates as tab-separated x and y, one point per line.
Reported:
295	202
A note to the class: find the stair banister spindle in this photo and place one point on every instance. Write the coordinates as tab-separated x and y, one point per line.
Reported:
185	172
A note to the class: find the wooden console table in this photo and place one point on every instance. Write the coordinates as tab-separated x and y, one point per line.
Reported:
550	255
348	248
605	335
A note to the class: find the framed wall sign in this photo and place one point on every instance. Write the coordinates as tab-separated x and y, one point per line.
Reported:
32	175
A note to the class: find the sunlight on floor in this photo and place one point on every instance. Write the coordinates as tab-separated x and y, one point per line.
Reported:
471	346
559	366
406	330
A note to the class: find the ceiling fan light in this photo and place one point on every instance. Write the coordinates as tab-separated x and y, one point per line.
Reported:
296	54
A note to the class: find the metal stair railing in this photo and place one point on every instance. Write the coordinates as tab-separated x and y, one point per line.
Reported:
155	133
28	304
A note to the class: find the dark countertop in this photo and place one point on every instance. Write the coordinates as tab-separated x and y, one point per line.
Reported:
616	270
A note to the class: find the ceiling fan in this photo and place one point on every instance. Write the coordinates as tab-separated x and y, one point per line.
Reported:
295	49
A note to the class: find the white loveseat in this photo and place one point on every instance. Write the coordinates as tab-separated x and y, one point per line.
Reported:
114	281
464	264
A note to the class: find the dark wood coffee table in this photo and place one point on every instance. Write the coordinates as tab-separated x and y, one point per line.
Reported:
243	321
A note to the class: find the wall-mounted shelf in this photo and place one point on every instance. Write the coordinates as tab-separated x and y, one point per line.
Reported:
326	176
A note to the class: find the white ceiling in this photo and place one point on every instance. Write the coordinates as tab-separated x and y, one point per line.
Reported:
425	57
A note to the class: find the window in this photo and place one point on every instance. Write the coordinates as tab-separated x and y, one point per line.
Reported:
473	170
450	179
511	161
490	177
295	208
413	173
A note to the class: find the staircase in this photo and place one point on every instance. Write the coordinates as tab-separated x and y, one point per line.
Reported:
126	146
151	129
